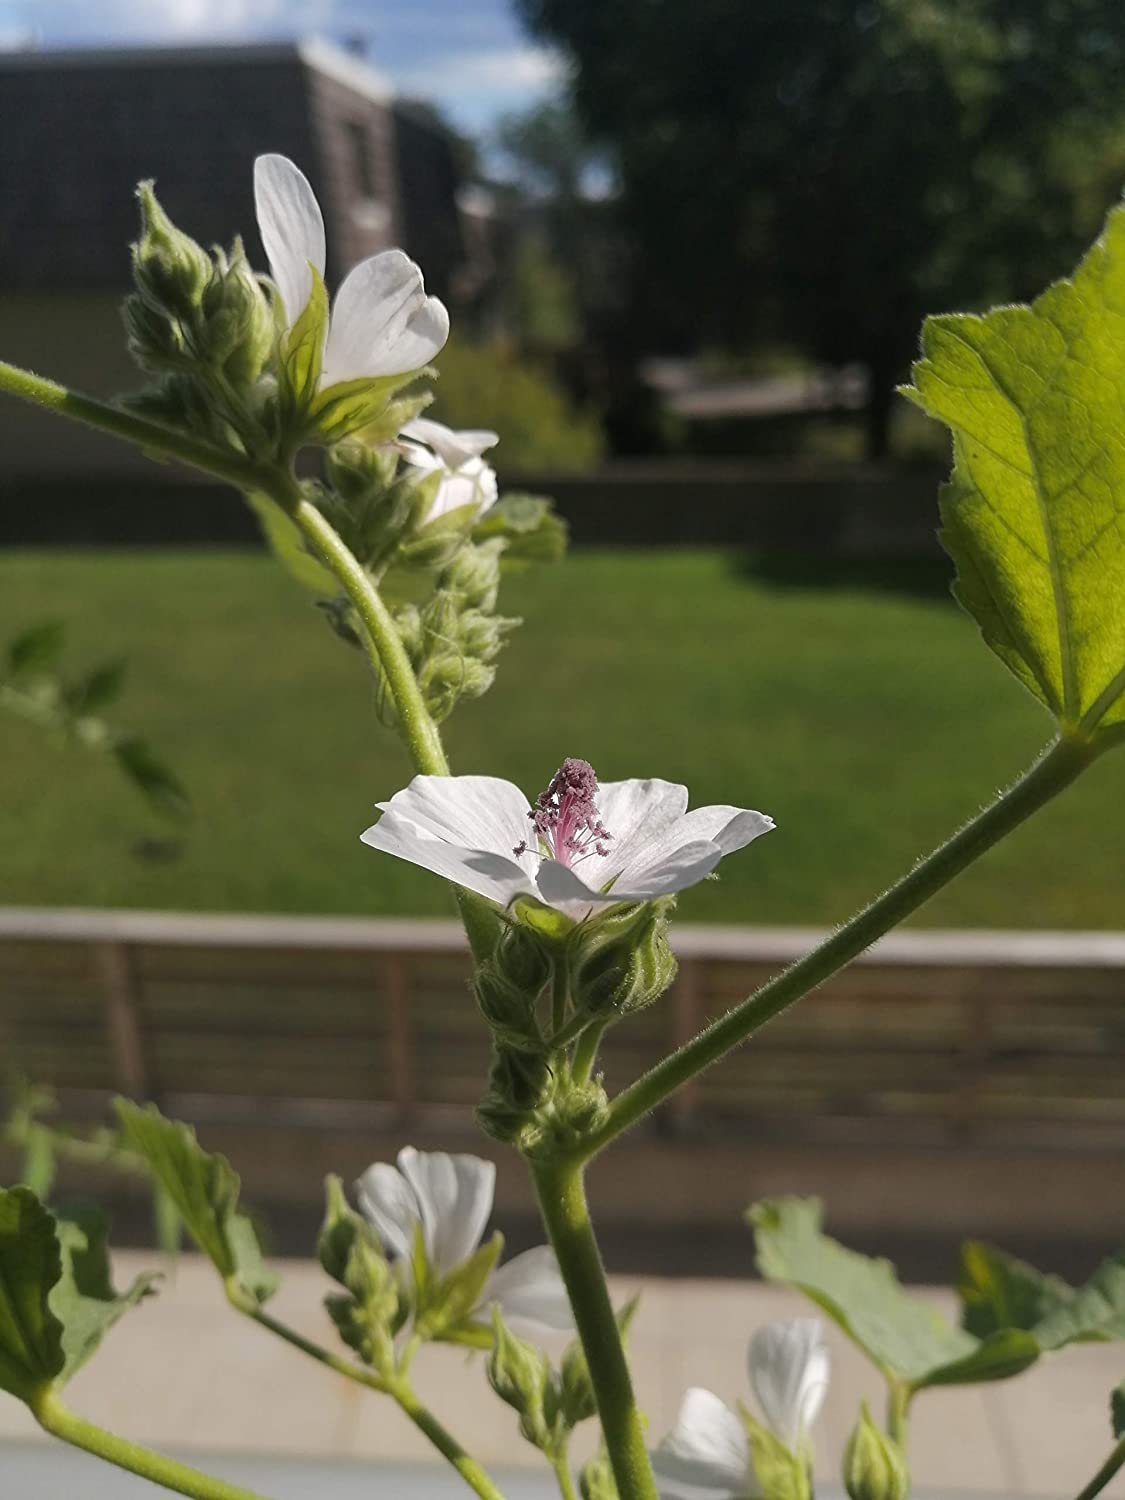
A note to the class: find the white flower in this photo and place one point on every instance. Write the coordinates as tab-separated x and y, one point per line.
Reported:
450	1198
789	1369
382	321
709	1450
466	478
582	845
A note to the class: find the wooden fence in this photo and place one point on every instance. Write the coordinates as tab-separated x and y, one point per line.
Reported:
330	1023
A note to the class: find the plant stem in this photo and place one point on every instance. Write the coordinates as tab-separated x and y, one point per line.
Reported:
323	1356
141	431
1115	1461
898	1411
1060	765
57	1419
560	984
561	1466
562	1201
468	1468
585	1054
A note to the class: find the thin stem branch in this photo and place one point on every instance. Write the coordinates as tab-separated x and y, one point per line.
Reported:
560	984
57	1419
1113	1463
561	1465
1060	765
586	1053
140	431
450	1449
336	1362
562	1200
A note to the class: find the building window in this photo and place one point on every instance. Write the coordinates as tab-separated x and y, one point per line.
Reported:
363	159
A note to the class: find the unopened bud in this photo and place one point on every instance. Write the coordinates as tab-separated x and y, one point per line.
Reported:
874	1464
474	574
521	1375
238	326
170	269
620	960
155	339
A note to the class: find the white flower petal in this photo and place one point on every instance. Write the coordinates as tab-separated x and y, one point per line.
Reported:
636	812
474	483
292	229
489	875
382	321
478	812
789	1369
455	1197
708	1448
452	448
530	1291
390	1206
684	867
729	828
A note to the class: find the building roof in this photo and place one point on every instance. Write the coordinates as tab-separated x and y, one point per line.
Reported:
79	130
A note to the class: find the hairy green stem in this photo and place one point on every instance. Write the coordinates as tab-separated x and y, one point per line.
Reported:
561	1465
153	437
57	1419
468	1468
315	1351
1060	765
586	1053
562	1201
1113	1463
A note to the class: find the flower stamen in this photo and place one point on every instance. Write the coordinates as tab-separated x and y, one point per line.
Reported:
565	816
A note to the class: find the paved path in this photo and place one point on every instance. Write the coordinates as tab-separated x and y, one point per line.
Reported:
185	1373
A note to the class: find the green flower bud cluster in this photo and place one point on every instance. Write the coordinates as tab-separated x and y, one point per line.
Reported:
508	987
620	961
204	326
372	1308
874	1464
550	1402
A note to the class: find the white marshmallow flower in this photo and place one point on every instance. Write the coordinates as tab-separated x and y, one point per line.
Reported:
708	1452
449	1199
466	479
581	846
382	324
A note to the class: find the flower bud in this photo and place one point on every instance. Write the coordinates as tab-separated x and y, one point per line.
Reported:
519	1084
521	1375
620	960
155	340
353	469
169	268
238	326
474	575
371	1309
874	1464
508	985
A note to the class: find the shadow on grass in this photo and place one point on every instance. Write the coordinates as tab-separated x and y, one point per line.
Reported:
917	577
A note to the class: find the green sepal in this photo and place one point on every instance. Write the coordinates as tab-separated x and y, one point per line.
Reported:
781	1475
288	545
205	1189
553	925
1032	397
351	405
874	1464
436	543
910	1342
449	1304
577	1390
387	426
619	959
529	527
84	1299
521	1375
303	353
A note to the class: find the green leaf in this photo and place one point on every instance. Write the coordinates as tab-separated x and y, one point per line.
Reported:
998	1291
529	526
1034	516
151	776
288	546
84	1299
1117	1410
905	1338
577	1390
31	1336
1094	1311
36	649
450	1303
98	689
205	1188
304	347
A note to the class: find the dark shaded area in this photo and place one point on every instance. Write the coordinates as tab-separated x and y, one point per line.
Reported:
915	577
771	508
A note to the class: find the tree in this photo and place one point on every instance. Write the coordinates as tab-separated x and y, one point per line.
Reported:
836	169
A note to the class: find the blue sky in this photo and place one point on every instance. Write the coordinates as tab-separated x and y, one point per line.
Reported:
469	56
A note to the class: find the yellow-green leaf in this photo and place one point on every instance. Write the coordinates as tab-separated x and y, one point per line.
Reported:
1034	516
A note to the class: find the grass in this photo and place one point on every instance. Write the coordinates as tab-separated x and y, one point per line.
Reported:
860	711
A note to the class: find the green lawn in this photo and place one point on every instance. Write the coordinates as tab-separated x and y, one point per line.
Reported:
868	721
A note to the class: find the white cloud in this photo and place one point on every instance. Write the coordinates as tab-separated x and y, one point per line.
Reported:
506	70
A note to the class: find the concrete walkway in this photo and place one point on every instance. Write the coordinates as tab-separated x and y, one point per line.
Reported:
184	1372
